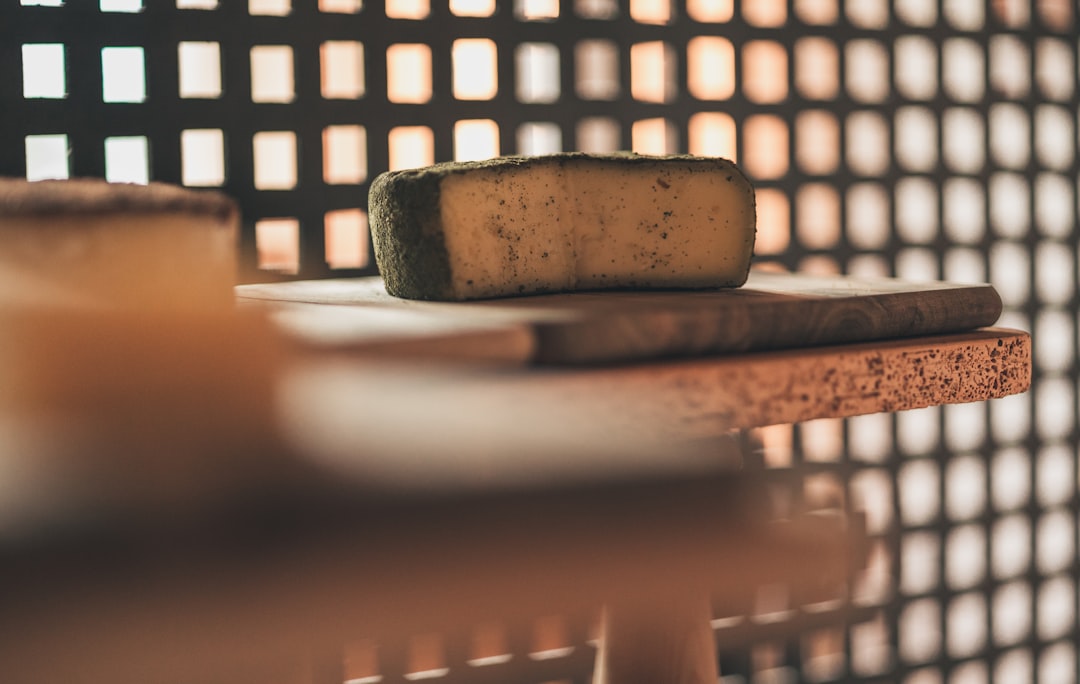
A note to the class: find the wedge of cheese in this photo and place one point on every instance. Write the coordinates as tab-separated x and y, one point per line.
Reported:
527	225
85	241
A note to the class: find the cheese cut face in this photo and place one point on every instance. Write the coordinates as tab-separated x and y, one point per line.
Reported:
559	223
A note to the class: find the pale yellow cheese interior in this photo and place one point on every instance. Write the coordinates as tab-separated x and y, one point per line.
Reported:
572	226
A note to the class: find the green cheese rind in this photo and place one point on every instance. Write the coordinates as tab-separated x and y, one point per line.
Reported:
406	219
406	229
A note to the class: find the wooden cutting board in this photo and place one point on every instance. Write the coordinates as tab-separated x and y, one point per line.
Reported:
772	311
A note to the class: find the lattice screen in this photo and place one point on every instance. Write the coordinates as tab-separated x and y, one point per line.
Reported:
918	138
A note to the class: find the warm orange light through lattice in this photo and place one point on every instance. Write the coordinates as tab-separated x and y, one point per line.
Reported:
817	12
278	244
475	69
776	445
341	6
271	8
817	141
598	135
342	69
272	73
346	238
472	8
765	146
765	13
650	11
773	221
538	10
411	147
765	71
650	77
408	73
819	265
710	68
275	160
596	66
712	134
476	139
407	9
344	154
817	208
652	136
817	68
710	10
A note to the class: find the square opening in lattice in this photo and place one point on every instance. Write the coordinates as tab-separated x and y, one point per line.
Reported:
342	69
920	631
866	70
774	221
197	4
202	157
596	69
539	138
410	147
710	68
46	157
817	142
277	242
868	14
765	146
408	73
476	139
817	68
475	71
407	9
764	71
123	74
472	8
344	154
121	5
272	74
341	6
654	136
765	13
536	10
867	140
1056	611
199	69
713	134
346	238
922	13
963	140
598	135
596	9
651	11
817	221
537	71
274	8
275	160
652	72
916	209
710	10
817	12
44	71
127	159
